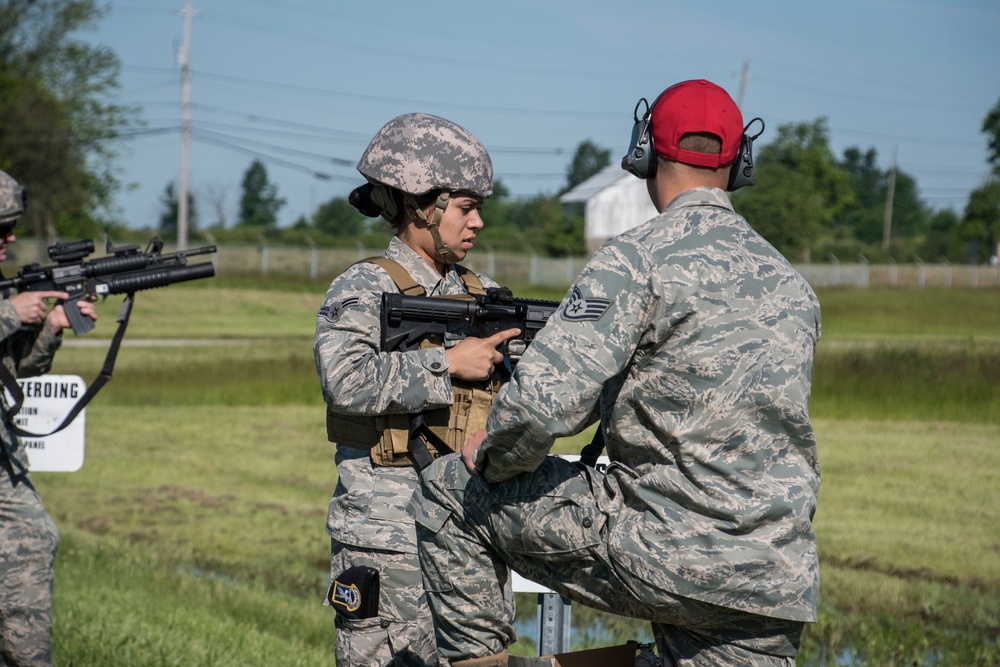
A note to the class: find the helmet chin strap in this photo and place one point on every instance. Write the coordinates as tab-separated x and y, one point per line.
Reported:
446	254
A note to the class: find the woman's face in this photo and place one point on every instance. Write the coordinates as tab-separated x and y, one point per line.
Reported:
459	223
458	226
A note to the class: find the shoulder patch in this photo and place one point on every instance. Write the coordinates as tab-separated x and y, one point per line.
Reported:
331	312
580	309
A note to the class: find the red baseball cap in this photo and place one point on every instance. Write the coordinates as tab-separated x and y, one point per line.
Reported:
696	106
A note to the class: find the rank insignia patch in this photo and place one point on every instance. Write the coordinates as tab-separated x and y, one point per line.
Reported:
580	309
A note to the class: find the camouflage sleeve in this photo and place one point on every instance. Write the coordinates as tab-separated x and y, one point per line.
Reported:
556	386
33	354
356	376
38	359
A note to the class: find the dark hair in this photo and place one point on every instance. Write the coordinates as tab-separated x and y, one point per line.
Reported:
701	142
361	199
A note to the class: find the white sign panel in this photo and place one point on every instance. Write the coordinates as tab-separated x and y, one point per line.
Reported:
47	401
518	583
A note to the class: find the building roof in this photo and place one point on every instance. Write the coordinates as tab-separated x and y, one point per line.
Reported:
599	181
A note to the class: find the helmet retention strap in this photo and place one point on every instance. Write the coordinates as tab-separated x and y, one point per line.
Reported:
447	254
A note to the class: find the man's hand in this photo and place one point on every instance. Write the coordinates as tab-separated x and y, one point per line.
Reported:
58	320
474	358
469	451
32	307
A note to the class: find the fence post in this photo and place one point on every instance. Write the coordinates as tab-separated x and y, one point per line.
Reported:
836	270
864	271
947	272
920	273
265	256
313	259
361	249
490	260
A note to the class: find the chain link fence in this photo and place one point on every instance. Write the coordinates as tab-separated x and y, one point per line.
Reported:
528	268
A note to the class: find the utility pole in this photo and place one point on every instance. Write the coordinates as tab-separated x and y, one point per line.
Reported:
887	225
184	58
743	84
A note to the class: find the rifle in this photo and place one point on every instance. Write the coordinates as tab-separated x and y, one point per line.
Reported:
408	320
124	271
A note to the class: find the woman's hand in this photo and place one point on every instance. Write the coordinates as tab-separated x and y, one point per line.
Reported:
474	358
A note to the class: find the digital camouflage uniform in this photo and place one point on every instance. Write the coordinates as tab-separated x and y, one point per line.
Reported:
28	536
368	521
692	340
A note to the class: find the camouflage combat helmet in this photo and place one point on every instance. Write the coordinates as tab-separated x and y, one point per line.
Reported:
416	153
12	198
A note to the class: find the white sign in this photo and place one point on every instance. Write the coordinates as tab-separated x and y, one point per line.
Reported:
47	401
518	583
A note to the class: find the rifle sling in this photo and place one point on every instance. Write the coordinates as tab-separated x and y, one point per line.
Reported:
10	382
590	453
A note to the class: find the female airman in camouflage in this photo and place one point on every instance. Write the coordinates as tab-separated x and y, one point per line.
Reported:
428	177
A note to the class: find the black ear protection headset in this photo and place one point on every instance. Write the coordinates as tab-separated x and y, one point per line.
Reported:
640	160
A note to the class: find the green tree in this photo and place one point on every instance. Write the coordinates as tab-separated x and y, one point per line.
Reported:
587	161
58	134
800	192
981	222
991	128
944	238
338	218
169	209
259	202
865	218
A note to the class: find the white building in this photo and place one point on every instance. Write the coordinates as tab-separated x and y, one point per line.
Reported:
614	202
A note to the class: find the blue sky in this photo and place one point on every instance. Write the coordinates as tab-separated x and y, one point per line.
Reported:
304	84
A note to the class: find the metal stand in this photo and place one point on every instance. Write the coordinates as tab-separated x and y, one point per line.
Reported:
553	624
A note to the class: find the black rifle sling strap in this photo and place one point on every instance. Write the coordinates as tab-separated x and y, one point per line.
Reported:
593	450
10	382
420	434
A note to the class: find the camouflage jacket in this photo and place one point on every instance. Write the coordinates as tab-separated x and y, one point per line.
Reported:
25	354
692	340
358	378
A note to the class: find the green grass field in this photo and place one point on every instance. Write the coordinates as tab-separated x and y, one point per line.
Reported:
194	534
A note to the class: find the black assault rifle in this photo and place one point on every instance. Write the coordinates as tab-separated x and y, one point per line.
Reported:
408	320
125	270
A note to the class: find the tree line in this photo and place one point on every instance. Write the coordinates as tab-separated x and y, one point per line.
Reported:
59	136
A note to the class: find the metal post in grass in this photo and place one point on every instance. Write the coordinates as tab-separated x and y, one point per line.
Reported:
361	249
554	615
864	270
920	272
836	269
947	271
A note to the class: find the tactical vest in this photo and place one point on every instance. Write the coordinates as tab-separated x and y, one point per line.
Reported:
441	430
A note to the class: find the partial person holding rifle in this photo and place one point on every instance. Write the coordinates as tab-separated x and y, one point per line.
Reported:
691	340
393	411
30	334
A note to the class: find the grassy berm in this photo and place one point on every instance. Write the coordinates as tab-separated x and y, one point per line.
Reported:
194	533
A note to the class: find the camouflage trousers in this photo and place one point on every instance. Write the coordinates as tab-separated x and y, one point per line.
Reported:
28	542
403	634
552	526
